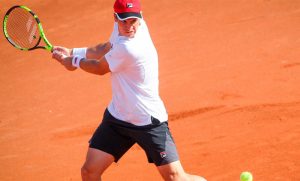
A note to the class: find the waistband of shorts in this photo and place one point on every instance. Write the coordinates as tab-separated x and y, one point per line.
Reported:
111	119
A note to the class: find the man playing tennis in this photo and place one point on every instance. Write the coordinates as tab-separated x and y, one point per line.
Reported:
136	114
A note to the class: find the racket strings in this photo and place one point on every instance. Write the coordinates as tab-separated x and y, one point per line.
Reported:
22	28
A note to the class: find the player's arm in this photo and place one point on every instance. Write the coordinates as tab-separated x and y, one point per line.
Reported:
94	52
94	66
92	59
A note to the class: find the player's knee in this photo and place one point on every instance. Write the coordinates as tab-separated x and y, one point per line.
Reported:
88	172
174	175
197	178
85	172
182	176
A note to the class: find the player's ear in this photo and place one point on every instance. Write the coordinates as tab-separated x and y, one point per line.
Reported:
115	17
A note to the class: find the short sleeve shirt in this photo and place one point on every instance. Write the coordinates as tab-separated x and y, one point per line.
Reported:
134	75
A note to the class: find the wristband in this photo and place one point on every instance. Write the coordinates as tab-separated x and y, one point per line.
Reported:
79	52
76	61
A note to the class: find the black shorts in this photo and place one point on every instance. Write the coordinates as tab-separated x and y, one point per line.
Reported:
115	137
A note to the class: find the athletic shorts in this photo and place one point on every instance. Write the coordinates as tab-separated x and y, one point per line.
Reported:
115	137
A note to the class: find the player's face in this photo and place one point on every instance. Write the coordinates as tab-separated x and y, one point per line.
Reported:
128	27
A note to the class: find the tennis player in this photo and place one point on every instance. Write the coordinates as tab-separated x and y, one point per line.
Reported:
136	113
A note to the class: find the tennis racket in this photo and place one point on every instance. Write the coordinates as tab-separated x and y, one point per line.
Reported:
23	29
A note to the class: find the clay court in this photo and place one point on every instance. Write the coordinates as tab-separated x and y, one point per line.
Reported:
229	77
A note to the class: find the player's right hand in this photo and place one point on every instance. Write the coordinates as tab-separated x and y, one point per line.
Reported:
65	60
62	50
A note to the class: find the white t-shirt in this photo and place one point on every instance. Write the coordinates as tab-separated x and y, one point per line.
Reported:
134	75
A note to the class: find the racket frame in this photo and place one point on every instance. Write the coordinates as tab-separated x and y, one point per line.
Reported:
41	31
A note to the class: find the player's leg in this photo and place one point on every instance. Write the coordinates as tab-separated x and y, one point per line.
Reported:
107	145
175	172
158	143
95	164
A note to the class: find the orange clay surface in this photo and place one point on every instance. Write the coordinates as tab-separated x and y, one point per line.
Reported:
229	77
